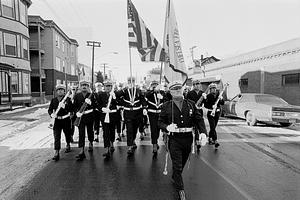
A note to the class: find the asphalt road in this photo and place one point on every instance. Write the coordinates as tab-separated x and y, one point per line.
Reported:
260	162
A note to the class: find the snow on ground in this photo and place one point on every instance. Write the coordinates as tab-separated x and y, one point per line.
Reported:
21	108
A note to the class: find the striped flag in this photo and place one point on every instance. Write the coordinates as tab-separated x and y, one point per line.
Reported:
139	36
174	69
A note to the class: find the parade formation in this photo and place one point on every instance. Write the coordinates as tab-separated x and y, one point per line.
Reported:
171	116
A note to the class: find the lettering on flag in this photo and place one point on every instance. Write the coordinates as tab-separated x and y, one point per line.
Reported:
174	69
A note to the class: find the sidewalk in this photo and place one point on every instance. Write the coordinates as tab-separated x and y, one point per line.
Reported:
5	109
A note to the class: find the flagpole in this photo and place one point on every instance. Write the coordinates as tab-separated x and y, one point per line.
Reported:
130	63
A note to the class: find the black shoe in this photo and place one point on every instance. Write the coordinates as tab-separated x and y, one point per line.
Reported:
56	157
130	151
106	155
80	157
181	194
217	145
134	146
96	140
68	149
112	149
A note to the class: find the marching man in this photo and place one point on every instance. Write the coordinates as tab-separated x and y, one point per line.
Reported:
195	95
87	117
62	119
178	117
209	103
97	113
154	99
134	108
109	116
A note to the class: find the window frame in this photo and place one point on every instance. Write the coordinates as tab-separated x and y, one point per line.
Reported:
284	77
16	43
13	9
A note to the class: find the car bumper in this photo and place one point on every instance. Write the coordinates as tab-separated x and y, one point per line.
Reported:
286	120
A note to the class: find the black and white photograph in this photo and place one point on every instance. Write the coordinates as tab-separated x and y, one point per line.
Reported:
149	99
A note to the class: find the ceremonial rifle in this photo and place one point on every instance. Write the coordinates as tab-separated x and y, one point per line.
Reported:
51	125
81	110
213	112
106	119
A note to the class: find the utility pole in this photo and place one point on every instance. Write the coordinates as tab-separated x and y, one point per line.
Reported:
104	65
93	44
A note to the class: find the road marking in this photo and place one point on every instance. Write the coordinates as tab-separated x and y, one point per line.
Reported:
236	187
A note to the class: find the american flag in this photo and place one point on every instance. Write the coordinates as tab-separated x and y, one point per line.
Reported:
139	36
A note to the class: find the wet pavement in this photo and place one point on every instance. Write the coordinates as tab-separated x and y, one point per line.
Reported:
252	163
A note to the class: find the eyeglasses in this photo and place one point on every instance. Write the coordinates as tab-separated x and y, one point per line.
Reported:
196	83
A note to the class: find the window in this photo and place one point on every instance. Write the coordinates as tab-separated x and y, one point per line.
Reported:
244	82
57	44
20	83
291	79
1	44
10	43
63	69
62	45
14	82
73	69
8	8
23	13
72	50
25	83
57	61
25	48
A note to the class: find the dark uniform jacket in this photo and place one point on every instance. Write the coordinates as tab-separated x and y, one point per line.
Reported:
79	100
63	111
132	109
188	117
192	95
211	100
103	98
153	103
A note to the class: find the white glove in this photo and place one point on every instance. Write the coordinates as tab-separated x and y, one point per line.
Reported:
105	110
202	139
145	112
62	105
113	95
221	97
78	114
171	127
88	101
157	88
204	95
159	96
53	115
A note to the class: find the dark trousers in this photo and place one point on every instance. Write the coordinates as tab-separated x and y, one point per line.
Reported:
143	123
132	126
72	125
119	122
153	119
180	149
213	122
97	122
108	133
59	125
89	127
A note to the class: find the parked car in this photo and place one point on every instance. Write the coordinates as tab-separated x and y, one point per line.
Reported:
263	108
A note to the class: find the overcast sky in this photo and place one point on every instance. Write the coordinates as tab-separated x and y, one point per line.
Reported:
220	28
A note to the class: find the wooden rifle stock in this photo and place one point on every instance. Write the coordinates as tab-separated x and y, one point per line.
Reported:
213	112
81	110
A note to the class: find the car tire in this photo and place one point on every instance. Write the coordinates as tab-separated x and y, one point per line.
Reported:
251	119
285	124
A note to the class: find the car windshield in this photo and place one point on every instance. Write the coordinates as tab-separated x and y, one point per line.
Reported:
268	99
